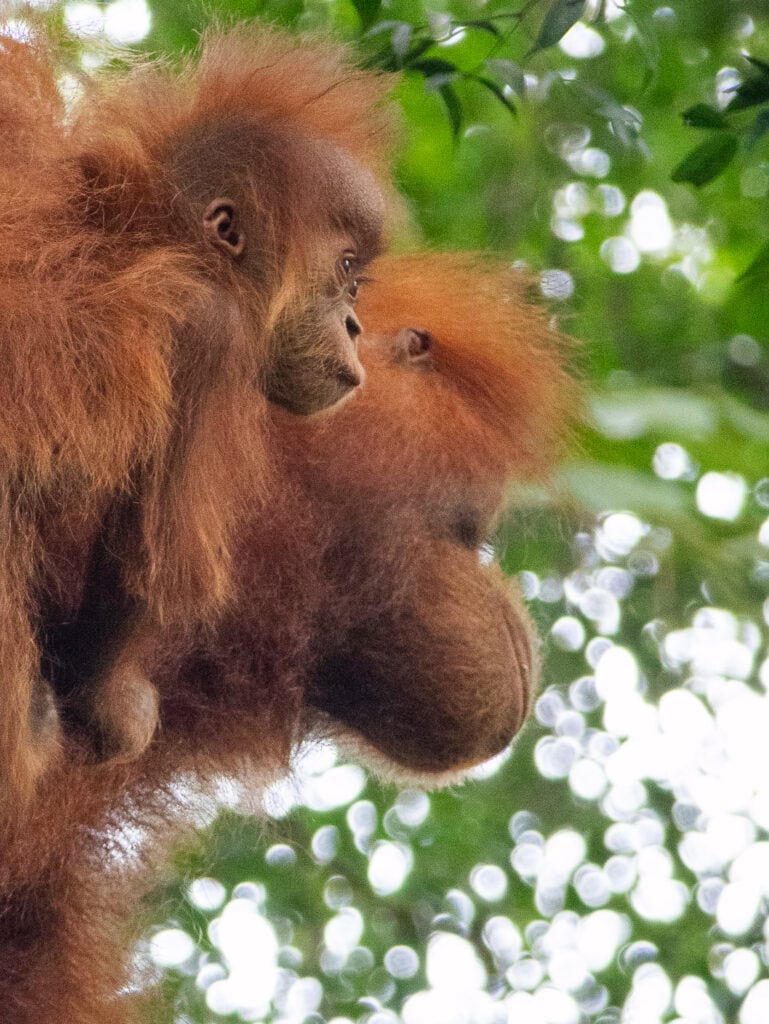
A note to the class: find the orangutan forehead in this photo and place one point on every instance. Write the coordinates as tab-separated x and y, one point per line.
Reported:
285	167
347	190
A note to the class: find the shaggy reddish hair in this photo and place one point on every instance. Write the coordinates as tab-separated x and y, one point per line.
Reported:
362	568
130	365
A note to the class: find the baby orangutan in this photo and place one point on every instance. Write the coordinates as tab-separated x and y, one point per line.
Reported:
181	247
362	612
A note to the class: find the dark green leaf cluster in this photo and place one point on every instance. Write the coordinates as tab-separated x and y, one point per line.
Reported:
711	157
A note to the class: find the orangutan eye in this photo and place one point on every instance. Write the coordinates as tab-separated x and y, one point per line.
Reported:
347	274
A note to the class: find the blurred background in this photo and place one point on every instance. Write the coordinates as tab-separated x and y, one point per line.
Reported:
614	866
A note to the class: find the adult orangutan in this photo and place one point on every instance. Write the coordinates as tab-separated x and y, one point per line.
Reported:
361	611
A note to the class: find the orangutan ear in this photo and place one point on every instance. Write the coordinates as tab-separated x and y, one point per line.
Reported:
414	346
222	227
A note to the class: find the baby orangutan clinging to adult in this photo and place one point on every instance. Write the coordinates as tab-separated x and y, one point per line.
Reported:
180	247
362	612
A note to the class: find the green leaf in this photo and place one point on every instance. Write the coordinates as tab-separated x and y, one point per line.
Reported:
707	161
441	25
750	93
600	486
434	83
622	415
750	423
759	129
702	115
509	73
400	37
400	40
485	26
760	65
625	122
368	11
431	66
382	26
560	17
417	49
453	108
758	268
496	90
649	44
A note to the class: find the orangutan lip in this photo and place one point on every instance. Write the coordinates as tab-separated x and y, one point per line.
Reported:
524	652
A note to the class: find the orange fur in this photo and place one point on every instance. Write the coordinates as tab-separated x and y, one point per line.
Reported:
133	354
360	568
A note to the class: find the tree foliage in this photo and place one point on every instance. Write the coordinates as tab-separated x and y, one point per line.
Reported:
616	861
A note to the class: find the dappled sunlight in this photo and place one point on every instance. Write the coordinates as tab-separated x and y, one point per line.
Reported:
615	738
121	22
582	42
721	495
648	233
